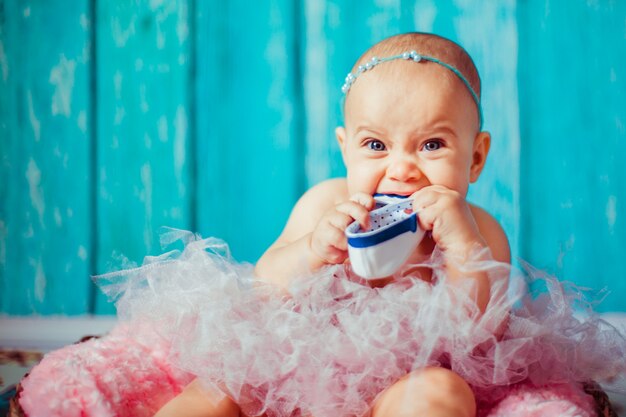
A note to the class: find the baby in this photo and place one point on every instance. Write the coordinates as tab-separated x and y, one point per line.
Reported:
412	128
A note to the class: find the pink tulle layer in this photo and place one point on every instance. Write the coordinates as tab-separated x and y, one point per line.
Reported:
557	400
115	376
330	344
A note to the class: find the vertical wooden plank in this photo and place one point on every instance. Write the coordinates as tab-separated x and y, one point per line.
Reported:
573	79
143	56
488	31
337	33
6	140
249	162
44	196
323	50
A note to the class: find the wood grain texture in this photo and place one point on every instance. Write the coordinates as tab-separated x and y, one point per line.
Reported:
572	89
216	116
45	142
143	107
248	130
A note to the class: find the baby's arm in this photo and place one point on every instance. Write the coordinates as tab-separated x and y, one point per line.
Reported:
314	234
495	247
463	232
494	235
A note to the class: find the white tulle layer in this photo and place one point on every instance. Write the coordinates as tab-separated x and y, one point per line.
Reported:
329	344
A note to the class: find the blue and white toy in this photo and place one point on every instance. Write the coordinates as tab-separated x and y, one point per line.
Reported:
393	235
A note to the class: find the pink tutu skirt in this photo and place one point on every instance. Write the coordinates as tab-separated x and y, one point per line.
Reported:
114	376
330	343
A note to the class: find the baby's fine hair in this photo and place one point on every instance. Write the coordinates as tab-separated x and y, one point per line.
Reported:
426	44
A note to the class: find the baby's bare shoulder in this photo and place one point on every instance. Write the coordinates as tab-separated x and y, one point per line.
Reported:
311	206
493	233
322	196
335	189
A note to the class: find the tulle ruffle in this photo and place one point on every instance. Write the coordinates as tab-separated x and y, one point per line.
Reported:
115	376
330	343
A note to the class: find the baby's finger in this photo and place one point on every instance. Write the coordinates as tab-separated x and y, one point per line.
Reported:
337	242
341	244
328	242
363	199
355	211
340	221
424	198
426	218
336	234
336	256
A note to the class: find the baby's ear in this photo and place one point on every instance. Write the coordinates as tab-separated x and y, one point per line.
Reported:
340	133
482	143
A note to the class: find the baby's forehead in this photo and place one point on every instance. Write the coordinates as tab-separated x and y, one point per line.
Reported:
403	72
413	99
433	48
404	77
424	84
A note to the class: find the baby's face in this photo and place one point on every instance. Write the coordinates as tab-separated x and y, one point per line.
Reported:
409	129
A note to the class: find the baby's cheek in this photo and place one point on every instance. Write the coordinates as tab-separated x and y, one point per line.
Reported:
362	181
458	183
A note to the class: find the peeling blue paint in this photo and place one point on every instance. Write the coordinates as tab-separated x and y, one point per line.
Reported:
200	103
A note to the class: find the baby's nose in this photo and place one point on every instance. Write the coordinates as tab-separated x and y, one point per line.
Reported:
403	169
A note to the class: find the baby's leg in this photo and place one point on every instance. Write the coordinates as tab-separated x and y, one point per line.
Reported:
196	401
432	392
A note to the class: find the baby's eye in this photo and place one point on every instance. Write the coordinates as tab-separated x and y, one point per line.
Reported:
433	145
376	145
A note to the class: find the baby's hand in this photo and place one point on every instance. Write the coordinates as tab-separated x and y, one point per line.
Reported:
328	240
447	215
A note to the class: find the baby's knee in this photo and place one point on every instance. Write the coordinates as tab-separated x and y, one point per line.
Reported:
430	391
196	401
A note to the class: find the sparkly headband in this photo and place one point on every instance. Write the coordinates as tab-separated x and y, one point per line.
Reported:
414	56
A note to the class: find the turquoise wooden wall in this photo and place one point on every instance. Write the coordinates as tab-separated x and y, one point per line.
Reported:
119	117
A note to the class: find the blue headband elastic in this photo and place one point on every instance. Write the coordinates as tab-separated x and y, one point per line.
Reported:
414	56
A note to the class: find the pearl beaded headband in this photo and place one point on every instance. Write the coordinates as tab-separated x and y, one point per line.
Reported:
413	56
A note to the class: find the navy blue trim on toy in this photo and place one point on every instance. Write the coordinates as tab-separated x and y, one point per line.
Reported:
407	225
382	202
390	195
